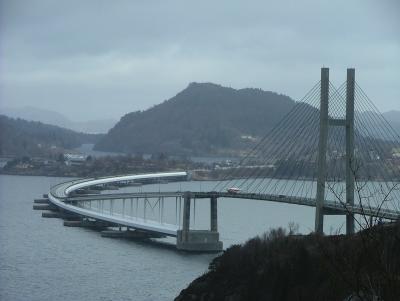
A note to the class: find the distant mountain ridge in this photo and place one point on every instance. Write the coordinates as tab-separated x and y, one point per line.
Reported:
393	117
382	126
203	119
55	118
19	137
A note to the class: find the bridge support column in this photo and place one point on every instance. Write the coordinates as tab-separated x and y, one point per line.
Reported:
186	217
198	240
322	146
213	214
350	167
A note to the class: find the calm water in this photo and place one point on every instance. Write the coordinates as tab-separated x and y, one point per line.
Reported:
42	260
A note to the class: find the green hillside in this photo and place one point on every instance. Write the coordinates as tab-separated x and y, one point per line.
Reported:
19	137
203	119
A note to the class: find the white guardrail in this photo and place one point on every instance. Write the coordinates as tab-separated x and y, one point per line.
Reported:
58	193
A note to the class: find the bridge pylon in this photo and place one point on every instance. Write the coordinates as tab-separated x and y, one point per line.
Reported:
350	167
325	122
322	147
199	240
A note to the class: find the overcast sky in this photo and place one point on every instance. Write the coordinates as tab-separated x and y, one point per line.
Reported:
102	59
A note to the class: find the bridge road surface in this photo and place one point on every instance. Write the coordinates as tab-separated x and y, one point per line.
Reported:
60	196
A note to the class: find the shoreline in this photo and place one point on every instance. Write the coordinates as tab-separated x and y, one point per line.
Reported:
34	175
194	175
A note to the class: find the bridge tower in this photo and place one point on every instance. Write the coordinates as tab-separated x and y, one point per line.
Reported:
199	240
325	122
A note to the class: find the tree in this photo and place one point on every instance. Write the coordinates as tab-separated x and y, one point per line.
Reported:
371	268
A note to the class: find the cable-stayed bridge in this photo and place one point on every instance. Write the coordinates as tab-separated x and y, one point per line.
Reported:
333	151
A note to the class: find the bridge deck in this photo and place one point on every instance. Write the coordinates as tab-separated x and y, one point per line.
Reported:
330	206
60	195
118	219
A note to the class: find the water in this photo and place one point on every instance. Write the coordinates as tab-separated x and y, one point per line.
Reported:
42	260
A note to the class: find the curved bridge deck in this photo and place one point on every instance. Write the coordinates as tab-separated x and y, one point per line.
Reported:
64	197
59	196
330	207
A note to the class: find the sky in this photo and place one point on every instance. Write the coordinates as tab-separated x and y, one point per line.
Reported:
102	59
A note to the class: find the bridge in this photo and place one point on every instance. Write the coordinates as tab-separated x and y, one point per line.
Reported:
332	151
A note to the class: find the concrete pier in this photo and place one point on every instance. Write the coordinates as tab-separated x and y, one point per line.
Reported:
73	223
41	201
86	224
199	240
50	207
61	214
51	214
69	216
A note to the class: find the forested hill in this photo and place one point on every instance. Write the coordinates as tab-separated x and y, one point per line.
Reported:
19	137
203	119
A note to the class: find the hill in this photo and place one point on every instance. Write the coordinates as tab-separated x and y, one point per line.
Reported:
385	126
19	137
55	118
203	119
393	117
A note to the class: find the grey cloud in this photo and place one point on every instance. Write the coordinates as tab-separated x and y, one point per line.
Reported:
126	55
